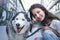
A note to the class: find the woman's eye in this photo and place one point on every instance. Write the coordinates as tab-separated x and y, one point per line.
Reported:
23	19
16	18
38	12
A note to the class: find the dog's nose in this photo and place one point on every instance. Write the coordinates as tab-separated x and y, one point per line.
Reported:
18	24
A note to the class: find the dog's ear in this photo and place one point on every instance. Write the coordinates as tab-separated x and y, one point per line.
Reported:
27	18
15	16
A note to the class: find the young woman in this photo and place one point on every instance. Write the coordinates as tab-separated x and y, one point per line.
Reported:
51	23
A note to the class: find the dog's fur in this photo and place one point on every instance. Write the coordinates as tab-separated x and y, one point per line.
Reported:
20	26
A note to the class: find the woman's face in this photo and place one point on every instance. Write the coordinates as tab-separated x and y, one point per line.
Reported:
38	14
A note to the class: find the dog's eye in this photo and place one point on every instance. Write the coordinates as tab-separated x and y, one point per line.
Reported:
23	19
16	18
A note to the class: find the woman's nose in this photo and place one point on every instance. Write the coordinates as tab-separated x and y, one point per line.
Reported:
38	15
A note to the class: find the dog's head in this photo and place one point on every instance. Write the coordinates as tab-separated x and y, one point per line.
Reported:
21	22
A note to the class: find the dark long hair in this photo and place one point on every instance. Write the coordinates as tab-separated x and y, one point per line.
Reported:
48	15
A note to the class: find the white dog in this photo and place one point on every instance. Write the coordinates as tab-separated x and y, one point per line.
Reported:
21	24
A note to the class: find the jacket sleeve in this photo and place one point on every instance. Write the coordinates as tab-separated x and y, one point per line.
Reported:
55	24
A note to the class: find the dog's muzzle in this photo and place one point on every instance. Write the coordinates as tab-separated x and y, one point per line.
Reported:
19	28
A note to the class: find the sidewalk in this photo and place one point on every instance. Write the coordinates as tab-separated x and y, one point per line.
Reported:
3	35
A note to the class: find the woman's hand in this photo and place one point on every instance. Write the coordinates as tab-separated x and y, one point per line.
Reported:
36	38
45	28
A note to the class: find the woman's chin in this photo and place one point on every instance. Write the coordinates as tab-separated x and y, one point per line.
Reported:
38	20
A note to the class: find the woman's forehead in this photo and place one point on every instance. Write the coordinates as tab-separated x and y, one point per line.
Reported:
36	9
